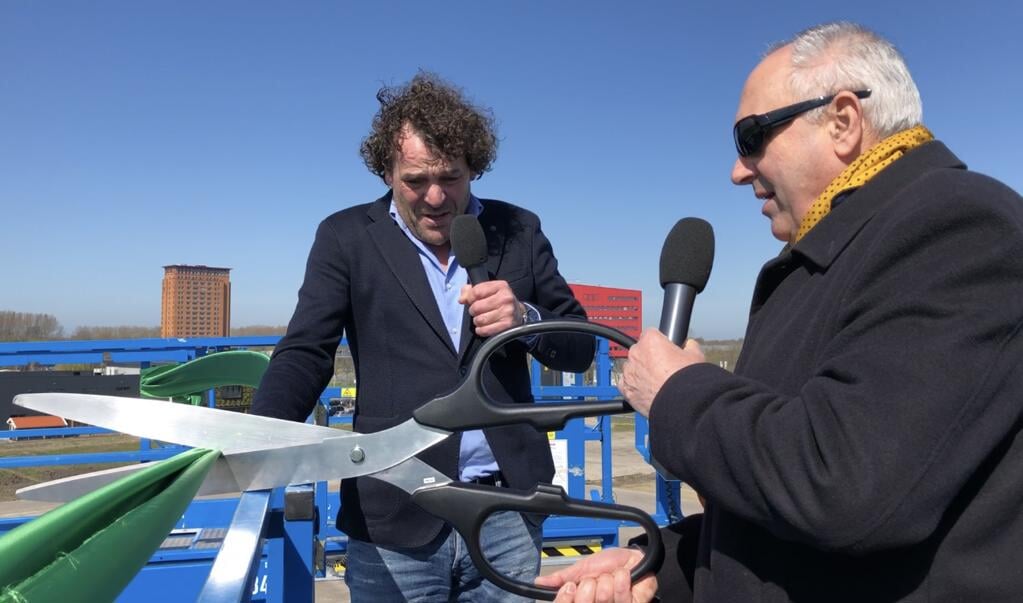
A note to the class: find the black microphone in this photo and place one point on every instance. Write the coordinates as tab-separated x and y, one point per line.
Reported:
686	258
470	247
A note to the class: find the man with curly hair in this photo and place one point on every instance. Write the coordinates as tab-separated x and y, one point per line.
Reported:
383	273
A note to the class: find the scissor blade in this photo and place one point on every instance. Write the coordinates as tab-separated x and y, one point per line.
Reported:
348	455
335	458
219	480
412	474
196	426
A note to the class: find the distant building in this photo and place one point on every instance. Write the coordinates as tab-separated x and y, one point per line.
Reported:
36	422
196	302
621	309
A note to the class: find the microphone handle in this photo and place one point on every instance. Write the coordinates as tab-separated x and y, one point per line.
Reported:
477	274
678	307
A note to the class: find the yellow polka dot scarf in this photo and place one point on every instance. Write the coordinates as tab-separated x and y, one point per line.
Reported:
865	167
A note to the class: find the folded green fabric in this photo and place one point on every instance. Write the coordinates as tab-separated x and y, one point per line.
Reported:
187	382
91	548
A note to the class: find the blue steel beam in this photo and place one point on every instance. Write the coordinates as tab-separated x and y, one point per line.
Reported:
89	351
110	345
559	392
50	432
289	550
153	356
13	359
156	454
236	564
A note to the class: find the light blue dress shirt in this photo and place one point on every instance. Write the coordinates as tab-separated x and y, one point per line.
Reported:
475	459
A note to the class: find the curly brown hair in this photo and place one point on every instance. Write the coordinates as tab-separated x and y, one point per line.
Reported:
448	123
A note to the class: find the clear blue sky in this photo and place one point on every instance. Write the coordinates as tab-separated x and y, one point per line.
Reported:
139	134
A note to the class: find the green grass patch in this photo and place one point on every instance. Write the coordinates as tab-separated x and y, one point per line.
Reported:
13	479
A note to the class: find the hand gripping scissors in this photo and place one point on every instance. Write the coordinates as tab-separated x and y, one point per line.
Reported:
260	452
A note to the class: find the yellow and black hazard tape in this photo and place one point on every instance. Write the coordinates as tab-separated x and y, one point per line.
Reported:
577	550
548	552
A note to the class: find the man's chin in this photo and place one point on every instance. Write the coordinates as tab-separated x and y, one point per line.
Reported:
781	233
433	236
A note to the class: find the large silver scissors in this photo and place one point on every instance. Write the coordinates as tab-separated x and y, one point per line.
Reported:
259	453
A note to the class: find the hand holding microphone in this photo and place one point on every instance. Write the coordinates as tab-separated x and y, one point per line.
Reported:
686	259
492	304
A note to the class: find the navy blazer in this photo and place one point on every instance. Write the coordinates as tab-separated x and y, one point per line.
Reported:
868	446
364	278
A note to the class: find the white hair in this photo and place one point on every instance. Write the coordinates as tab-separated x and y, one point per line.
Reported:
833	57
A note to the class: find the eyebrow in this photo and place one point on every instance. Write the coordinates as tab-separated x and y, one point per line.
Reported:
420	174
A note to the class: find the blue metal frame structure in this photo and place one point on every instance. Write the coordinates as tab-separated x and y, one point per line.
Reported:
236	565
279	547
145	351
668	492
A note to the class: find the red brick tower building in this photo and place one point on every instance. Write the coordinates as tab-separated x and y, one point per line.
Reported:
196	302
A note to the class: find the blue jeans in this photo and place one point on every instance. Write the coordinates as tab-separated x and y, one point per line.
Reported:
441	571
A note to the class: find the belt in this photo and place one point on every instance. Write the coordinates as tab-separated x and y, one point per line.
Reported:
494	479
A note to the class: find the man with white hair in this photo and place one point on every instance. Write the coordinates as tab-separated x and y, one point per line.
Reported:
868	446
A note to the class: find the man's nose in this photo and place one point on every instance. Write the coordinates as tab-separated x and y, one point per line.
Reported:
435	195
742	173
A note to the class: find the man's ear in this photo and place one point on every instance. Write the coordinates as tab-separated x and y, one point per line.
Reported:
846	127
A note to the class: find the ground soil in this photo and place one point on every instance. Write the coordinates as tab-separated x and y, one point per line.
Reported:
13	479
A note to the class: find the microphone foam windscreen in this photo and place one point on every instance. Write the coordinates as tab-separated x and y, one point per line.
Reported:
468	241
688	254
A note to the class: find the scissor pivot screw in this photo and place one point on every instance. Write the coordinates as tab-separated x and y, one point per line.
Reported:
357	455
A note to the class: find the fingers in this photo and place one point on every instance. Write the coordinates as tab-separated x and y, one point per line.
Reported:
645	590
621	585
604	562
603	578
606	588
492	306
652	360
566	594
555	580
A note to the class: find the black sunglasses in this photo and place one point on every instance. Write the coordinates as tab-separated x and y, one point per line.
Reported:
751	131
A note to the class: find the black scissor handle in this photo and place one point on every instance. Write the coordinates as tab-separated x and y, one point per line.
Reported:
467	506
469	406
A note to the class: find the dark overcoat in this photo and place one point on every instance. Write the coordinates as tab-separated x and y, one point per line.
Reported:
868	446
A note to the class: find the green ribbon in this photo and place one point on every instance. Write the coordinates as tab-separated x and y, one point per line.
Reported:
90	549
187	382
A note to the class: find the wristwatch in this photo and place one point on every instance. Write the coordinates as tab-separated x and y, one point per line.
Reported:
529	314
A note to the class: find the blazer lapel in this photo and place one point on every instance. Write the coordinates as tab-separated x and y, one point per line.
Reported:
402	258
